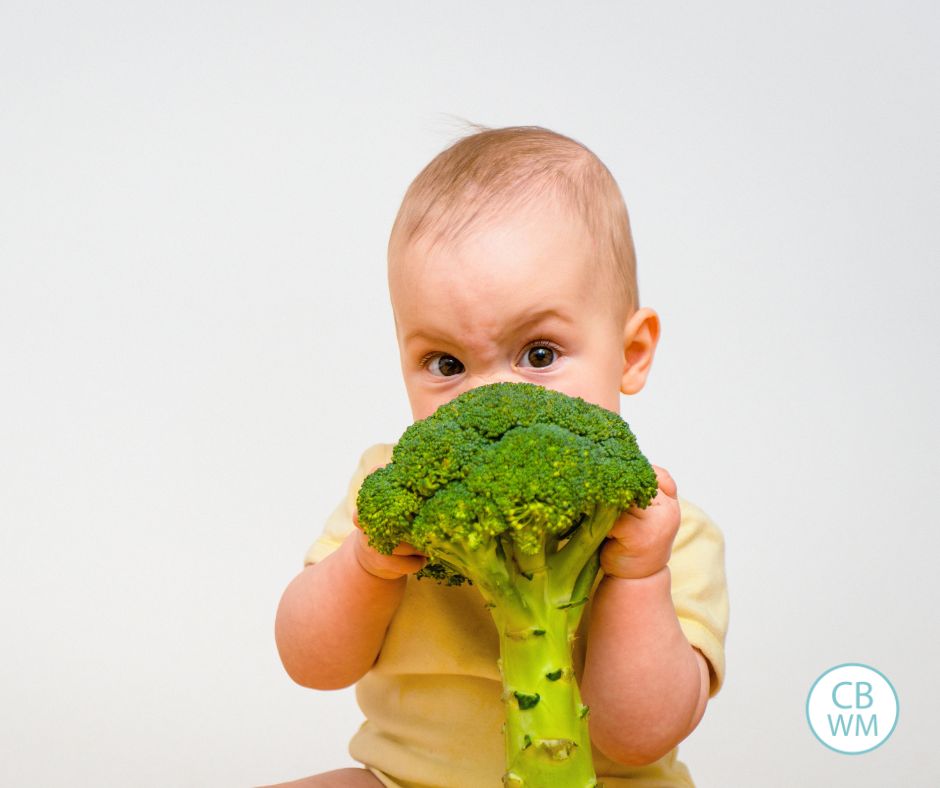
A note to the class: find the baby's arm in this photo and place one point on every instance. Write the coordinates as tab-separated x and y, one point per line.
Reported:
332	617
646	686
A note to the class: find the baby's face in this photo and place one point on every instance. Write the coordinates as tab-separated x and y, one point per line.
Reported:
516	301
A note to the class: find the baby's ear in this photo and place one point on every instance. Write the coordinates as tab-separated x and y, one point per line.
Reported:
640	336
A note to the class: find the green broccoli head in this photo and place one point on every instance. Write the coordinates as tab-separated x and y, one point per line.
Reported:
513	466
514	487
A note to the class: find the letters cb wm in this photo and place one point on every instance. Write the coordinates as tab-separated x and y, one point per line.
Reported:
852	708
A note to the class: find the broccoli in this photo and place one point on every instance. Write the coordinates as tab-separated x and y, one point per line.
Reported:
513	487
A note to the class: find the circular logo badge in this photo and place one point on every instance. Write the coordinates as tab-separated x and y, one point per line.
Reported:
852	708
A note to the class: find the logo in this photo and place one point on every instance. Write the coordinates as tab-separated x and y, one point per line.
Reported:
852	708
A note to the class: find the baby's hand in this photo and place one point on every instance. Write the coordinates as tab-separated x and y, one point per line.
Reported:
640	541
404	560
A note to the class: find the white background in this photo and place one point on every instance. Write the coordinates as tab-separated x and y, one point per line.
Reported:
196	344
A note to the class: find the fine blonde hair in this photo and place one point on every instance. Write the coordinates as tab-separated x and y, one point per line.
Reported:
494	171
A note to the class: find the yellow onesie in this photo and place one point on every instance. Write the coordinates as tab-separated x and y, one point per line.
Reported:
432	699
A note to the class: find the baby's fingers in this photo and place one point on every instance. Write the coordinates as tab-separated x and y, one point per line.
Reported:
397	565
667	485
404	560
406	549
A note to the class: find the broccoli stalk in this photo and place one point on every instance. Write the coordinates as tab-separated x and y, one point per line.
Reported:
513	487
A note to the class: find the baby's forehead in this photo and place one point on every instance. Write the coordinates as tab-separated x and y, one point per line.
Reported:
491	265
443	236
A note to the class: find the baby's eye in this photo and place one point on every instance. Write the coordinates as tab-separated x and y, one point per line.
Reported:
442	365
539	354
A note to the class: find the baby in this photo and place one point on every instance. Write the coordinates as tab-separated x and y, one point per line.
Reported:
511	259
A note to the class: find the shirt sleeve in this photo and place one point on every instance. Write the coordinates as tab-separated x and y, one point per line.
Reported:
340	523
699	587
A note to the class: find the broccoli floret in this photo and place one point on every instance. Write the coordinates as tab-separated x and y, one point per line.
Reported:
513	487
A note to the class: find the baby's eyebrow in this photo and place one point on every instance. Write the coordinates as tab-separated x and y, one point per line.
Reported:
422	335
513	325
526	319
